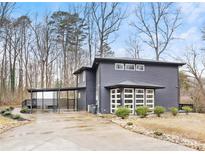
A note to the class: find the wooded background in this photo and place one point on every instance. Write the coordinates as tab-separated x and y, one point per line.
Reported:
43	53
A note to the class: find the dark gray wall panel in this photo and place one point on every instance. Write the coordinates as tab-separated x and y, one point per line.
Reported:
90	87
166	75
82	100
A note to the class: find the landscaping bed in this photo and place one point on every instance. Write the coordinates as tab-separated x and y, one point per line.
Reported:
9	120
182	129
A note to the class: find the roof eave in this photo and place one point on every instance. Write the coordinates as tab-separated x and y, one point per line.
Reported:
98	60
134	86
54	89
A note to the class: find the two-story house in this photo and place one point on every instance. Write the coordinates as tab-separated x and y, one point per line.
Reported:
114	82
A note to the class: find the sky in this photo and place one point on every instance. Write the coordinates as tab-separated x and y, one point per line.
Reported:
189	33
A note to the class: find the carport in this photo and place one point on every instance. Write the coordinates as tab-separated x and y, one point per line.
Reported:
54	99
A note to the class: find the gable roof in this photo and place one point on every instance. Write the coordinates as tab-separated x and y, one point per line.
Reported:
132	84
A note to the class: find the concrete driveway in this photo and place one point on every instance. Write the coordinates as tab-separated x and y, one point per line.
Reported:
78	131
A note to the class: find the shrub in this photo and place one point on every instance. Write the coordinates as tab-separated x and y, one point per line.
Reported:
7	109
129	123
2	111
7	113
25	110
174	111
187	109
142	111
16	116
122	112
11	108
158	133
158	110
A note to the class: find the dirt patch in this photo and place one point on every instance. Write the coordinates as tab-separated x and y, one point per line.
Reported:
87	129
77	126
70	127
83	126
30	133
49	132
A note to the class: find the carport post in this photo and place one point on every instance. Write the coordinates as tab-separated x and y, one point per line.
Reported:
42	100
31	102
67	101
58	96
75	102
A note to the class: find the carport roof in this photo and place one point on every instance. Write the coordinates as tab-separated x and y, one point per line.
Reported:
131	84
54	89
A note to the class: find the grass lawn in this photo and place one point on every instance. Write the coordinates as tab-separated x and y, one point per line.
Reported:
190	126
7	123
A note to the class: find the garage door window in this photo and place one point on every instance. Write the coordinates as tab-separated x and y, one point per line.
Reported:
115	99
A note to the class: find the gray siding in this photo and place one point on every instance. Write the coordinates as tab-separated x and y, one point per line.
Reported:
165	75
90	87
82	100
88	94
80	78
98	90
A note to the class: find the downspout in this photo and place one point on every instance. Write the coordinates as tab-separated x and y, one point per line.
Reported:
178	86
76	98
31	102
99	90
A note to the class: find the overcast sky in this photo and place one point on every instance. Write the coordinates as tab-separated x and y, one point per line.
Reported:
193	20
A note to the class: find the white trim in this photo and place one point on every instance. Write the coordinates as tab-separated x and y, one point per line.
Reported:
143	66
132	98
119	68
141	99
127	69
150	99
115	93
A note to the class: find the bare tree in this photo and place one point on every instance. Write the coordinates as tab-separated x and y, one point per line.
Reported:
44	48
107	18
156	24
90	29
195	66
5	9
134	47
192	62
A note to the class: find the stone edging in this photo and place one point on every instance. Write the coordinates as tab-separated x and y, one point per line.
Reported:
167	137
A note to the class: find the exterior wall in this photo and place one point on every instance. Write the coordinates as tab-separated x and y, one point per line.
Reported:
165	75
81	100
98	90
81	83
90	87
88	94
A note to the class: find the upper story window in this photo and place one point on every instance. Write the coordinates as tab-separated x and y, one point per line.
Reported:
140	67
119	66
130	67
